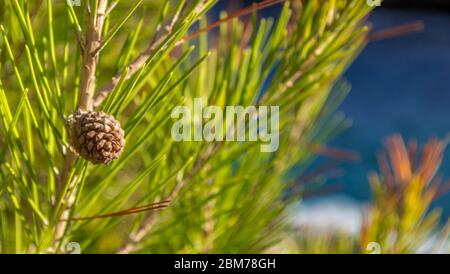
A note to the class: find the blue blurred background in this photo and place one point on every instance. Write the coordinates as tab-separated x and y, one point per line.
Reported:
399	85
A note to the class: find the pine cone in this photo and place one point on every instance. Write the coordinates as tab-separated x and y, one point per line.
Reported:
95	136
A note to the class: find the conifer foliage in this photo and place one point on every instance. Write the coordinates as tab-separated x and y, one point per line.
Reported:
116	70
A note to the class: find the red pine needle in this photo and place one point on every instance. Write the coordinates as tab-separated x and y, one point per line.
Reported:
334	152
239	13
397	31
128	211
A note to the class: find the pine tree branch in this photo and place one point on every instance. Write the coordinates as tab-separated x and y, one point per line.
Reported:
134	66
162	34
90	57
148	222
85	97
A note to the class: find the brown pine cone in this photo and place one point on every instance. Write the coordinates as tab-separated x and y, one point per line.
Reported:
95	136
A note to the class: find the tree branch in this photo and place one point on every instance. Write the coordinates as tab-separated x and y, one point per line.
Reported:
90	57
135	65
149	220
85	97
161	34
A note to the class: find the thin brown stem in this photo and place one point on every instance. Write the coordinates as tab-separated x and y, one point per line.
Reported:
85	97
397	31
239	13
90	57
124	212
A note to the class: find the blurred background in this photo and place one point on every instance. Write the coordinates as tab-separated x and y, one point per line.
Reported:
399	85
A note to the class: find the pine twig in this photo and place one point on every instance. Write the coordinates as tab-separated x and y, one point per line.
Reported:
162	34
148	222
85	98
135	65
90	57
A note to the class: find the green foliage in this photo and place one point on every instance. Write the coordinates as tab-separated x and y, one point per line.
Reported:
224	197
401	219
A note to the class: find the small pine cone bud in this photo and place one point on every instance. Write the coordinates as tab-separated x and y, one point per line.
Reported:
95	136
